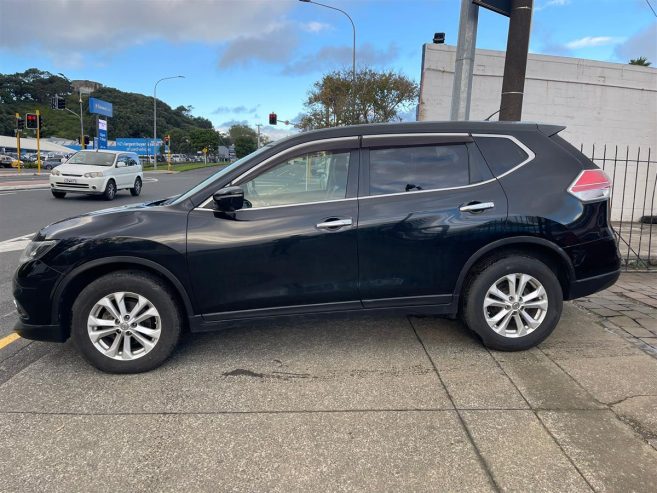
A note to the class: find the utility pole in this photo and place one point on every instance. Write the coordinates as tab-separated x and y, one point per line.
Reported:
258	125
38	136
464	66
515	63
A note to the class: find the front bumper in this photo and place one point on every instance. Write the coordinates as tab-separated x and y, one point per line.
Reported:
50	333
81	185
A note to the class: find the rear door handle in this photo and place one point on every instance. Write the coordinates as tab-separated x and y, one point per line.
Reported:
335	223
477	206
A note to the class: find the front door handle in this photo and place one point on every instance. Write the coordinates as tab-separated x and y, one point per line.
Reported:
477	206
335	223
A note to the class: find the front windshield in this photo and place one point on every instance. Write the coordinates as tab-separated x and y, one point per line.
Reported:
222	172
92	158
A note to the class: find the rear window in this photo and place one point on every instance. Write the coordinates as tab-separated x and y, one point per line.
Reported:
407	169
500	153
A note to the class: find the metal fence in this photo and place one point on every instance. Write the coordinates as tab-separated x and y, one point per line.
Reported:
633	205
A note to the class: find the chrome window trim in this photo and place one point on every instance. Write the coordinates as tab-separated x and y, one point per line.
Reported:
413	135
284	205
413	192
351	139
528	151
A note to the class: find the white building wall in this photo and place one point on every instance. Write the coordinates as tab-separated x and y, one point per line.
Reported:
601	104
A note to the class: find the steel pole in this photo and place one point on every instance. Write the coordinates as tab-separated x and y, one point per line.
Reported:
464	64
155	114
82	146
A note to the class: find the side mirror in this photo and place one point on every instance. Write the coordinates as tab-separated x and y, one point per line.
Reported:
228	199
120	164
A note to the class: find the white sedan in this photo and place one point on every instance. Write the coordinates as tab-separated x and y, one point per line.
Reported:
98	172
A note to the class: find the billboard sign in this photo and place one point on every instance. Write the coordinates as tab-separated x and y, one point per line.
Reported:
100	107
102	134
140	146
500	6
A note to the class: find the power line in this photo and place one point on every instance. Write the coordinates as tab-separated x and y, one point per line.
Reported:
653	10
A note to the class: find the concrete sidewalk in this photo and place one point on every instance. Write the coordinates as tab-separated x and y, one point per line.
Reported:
367	403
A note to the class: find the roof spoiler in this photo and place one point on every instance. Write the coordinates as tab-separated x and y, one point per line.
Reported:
550	130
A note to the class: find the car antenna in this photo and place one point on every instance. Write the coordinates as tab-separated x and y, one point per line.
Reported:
492	115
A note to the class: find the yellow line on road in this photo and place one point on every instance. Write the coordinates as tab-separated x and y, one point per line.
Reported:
7	340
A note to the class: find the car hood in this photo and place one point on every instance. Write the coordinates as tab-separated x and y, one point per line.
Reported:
80	169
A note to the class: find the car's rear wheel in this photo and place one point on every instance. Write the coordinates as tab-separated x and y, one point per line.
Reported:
136	189
110	190
126	322
58	195
513	303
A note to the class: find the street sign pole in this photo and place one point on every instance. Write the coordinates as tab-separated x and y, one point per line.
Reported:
38	136
169	154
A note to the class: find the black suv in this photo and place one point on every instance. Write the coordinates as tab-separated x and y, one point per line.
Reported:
497	222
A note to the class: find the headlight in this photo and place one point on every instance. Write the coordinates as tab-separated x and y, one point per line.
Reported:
93	174
36	250
55	172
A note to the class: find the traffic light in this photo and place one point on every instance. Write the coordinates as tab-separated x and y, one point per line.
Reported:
20	123
273	119
61	103
40	121
31	121
86	140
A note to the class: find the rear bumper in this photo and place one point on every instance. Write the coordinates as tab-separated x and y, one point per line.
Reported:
51	333
590	285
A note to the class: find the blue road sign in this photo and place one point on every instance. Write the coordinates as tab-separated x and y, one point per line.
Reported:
140	146
100	107
102	134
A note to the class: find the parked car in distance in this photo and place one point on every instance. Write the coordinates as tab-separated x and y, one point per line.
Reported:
6	160
98	173
497	223
52	163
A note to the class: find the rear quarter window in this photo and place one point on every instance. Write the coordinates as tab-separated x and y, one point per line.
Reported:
500	153
406	169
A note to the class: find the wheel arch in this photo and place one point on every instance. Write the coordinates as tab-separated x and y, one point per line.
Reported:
553	255
66	291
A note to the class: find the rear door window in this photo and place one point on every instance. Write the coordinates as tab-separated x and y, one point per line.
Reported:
501	154
408	169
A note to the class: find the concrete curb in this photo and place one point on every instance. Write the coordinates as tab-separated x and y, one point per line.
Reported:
8	188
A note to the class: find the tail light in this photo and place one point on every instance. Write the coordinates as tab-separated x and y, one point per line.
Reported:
591	185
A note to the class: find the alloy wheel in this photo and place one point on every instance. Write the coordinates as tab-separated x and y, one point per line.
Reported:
124	326
515	305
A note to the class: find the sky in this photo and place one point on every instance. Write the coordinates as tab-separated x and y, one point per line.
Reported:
243	59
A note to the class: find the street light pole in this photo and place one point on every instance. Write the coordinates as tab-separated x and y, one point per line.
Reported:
81	120
155	114
353	51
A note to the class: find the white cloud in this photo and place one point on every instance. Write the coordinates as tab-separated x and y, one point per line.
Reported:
274	45
62	28
551	3
592	41
331	57
642	43
315	27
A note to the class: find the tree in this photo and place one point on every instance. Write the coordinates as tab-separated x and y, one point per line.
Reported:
244	146
376	97
204	137
643	61
242	131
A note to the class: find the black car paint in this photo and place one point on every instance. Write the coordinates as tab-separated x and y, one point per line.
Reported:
409	251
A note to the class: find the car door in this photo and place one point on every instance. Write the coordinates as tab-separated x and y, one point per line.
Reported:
292	248
427	202
122	174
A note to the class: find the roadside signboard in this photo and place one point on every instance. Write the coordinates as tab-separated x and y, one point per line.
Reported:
142	147
102	134
500	6
100	107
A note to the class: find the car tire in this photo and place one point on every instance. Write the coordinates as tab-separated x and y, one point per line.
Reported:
136	190
102	341
58	195
110	190
509	321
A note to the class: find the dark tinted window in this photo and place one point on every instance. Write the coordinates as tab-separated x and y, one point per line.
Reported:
406	169
479	170
500	153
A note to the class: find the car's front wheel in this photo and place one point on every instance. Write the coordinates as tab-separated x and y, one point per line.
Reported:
125	322
513	303
136	189
110	190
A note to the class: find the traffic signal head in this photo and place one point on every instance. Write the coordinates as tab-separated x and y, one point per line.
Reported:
40	121
86	140
439	38
31	121
20	123
61	103
273	119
